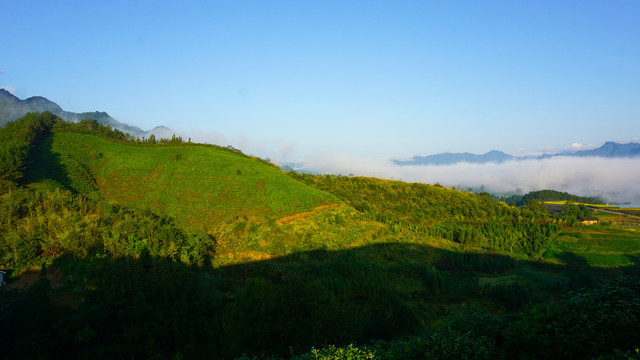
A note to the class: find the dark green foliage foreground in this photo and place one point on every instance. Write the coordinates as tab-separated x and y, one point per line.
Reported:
583	325
110	253
16	139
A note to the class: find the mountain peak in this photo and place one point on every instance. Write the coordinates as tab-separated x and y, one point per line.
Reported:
12	108
43	104
613	149
5	92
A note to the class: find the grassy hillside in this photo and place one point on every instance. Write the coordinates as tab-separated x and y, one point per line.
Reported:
196	184
596	246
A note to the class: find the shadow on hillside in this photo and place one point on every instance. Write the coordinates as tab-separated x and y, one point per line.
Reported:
146	306
572	259
635	268
45	166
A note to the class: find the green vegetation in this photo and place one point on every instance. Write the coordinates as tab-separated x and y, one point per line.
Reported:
16	139
596	246
552	195
586	324
186	182
546	196
126	248
415	212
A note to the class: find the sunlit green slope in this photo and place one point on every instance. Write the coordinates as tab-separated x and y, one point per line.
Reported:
198	185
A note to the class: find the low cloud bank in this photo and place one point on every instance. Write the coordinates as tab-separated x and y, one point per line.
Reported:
615	179
281	150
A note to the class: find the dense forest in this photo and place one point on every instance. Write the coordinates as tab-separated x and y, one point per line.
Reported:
258	263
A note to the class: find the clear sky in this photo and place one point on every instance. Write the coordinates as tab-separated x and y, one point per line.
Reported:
361	78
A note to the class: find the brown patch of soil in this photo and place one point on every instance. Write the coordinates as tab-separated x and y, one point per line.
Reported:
303	215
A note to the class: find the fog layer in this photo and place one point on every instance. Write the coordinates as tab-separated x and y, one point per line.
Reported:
616	180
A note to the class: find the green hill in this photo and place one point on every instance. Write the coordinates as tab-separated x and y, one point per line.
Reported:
199	185
247	203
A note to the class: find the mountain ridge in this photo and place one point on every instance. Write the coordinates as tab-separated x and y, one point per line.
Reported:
451	158
612	149
12	108
609	149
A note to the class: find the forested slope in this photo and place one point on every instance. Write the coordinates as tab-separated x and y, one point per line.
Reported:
473	221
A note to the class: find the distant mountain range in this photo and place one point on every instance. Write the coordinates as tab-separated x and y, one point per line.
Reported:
452	158
12	108
608	150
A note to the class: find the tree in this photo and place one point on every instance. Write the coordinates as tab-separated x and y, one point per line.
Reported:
536	206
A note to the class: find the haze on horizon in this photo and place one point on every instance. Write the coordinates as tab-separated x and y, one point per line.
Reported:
318	81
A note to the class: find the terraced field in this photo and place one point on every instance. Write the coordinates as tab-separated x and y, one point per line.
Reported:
596	246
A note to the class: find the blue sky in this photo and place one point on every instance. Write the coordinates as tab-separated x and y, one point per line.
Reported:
359	78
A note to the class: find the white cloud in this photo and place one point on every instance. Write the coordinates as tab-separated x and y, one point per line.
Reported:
613	179
284	151
576	146
9	89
